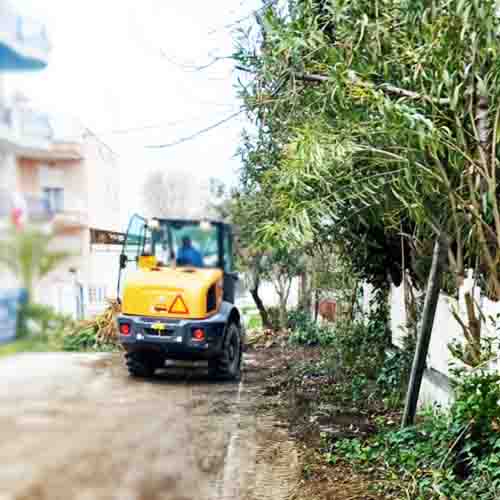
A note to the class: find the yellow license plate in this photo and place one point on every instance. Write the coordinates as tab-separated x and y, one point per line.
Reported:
159	327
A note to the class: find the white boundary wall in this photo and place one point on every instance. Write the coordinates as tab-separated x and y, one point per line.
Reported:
436	385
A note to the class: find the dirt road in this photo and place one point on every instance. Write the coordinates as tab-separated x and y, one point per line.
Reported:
75	426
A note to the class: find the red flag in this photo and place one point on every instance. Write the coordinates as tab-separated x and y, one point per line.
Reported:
17	217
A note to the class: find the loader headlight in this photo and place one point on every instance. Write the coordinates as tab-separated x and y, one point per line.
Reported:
154	224
205	225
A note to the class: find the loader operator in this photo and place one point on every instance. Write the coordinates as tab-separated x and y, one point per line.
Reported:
188	255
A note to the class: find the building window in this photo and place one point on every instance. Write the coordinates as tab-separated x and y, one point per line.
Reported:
55	199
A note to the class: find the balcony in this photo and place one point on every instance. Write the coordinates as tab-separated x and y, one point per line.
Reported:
37	208
30	134
24	130
24	44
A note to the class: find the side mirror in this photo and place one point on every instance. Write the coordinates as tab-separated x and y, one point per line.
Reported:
123	261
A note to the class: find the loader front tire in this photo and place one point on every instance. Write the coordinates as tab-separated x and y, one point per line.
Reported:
227	366
139	365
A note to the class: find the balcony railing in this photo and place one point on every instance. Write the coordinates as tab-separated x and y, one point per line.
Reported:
37	208
24	44
30	133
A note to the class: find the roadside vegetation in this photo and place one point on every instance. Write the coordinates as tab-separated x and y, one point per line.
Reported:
342	387
43	330
374	140
28	255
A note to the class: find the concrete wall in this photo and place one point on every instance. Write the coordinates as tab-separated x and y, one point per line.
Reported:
436	386
8	171
102	277
103	184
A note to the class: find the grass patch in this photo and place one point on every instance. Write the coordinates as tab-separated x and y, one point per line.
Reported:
25	345
40	329
254	321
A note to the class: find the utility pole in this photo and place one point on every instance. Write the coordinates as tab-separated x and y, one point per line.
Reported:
424	338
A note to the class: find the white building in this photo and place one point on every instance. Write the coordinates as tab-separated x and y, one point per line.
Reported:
75	176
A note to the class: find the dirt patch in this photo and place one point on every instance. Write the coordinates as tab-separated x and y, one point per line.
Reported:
76	426
306	402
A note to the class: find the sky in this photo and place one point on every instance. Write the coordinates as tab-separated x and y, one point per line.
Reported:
128	71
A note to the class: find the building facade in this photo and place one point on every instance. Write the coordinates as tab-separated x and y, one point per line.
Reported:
24	46
73	178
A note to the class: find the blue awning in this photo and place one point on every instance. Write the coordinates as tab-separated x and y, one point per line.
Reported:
12	61
24	45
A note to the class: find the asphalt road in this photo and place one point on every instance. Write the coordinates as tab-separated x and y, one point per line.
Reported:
76	426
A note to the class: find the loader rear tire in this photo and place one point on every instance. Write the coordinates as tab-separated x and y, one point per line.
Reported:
227	366
139	365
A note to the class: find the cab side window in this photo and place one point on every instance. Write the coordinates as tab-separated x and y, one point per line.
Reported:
228	252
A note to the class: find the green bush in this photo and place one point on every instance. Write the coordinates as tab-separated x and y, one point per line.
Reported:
41	321
81	340
254	321
454	455
273	314
477	411
306	331
392	379
298	319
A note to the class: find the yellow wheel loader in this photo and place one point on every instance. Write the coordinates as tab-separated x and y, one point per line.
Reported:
177	292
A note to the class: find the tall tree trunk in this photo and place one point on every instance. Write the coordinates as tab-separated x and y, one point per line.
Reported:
316	305
254	292
354	299
306	289
283	314
282	285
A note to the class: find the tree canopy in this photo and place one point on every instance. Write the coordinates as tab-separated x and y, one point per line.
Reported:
376	130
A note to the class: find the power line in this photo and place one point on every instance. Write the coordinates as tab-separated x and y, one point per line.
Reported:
244	18
198	133
193	68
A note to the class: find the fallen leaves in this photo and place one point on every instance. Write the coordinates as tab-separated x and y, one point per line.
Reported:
265	339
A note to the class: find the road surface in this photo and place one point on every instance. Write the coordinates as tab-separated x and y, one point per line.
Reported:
75	426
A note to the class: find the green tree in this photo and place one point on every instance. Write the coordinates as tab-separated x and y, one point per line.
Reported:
27	255
281	267
259	261
377	125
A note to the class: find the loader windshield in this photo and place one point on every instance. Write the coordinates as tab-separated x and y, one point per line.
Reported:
186	243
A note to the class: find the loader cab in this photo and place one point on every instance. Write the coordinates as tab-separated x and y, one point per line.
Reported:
181	244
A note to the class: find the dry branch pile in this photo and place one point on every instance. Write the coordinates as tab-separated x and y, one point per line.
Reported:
97	333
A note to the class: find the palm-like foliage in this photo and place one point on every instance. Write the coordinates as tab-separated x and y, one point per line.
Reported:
27	255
